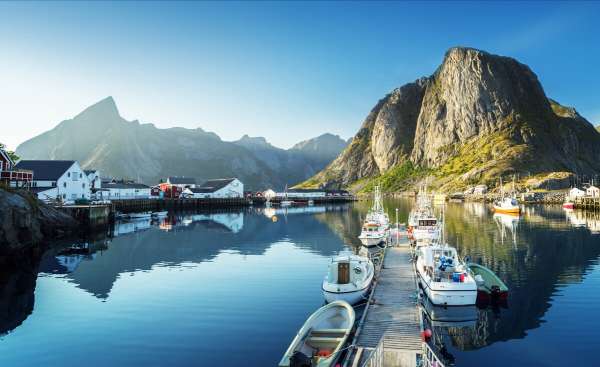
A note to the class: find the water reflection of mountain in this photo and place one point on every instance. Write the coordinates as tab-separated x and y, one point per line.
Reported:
545	253
196	238
18	277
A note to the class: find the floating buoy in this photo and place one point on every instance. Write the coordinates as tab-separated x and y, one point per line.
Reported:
426	334
274	219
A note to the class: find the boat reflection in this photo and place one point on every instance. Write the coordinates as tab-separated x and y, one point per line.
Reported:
508	223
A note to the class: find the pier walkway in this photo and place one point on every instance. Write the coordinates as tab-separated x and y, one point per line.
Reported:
393	316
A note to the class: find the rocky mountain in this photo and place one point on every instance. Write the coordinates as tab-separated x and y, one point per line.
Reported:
100	138
478	116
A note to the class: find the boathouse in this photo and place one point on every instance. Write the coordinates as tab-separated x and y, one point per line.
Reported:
118	191
57	180
577	191
224	188
593	191
10	176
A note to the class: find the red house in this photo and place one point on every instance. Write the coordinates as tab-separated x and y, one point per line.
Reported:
170	191
259	194
156	191
8	174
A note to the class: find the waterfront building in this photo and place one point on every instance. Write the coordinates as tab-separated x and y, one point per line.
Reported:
170	191
57	180
10	176
198	193
577	191
481	189
182	182
593	191
93	176
223	188
119	191
303	193
106	180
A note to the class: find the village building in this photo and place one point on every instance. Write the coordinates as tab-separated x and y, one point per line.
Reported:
157	192
593	191
577	191
57	180
198	193
259	194
182	182
10	176
480	189
125	191
299	193
336	193
223	188
170	191
106	180
93	176
248	194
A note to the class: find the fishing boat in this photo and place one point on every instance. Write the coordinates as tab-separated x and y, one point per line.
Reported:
349	278
372	234
489	286
376	213
507	204
568	204
320	342
444	279
311	202
160	214
286	200
140	215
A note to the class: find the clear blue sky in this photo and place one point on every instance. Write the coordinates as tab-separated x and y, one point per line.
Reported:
287	71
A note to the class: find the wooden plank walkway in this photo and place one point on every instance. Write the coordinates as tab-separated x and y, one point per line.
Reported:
394	318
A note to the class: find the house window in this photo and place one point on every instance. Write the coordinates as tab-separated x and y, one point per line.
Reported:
83	196
64	196
64	184
54	184
74	176
68	174
80	175
83	185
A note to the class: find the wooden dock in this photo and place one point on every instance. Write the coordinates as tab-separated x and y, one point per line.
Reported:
393	316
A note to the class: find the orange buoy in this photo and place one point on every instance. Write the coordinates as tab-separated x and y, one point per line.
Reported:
274	219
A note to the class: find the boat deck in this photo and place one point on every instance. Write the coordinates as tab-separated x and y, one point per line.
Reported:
394	318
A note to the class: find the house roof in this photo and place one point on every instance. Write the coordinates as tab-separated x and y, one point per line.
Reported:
199	190
6	156
181	180
578	188
37	190
594	187
106	179
46	170
215	185
89	171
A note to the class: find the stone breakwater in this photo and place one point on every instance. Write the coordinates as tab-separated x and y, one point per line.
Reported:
25	220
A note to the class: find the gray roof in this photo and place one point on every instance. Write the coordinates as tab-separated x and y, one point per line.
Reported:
336	191
215	185
89	171
125	186
182	180
199	191
37	190
45	170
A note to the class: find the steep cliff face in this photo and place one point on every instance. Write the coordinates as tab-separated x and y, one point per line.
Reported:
478	116
24	220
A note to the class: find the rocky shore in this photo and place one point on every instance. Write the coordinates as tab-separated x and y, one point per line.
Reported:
25	220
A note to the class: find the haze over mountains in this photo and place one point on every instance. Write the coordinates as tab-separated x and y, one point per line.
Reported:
99	138
477	117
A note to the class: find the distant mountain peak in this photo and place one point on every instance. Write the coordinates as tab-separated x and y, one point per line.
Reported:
106	108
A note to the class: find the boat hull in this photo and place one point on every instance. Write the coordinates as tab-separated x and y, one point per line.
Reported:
370	241
349	297
448	297
569	206
505	210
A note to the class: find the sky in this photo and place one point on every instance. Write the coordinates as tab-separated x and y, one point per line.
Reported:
287	71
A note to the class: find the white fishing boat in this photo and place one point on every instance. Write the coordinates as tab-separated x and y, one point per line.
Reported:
140	215
376	213
444	279
372	234
160	214
349	278
286	201
507	204
320	342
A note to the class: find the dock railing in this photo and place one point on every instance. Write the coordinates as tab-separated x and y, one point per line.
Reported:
376	358
429	357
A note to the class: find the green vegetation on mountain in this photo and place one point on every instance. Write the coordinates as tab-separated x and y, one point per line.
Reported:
477	117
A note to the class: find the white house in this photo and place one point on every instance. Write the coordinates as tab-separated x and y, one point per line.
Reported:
303	193
198	193
222	188
481	189
57	180
577	191
182	181
119	191
93	176
593	191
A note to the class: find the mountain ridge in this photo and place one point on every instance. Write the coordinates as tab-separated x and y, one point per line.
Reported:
99	138
476	117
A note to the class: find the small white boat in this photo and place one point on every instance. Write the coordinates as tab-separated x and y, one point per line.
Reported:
140	215
372	234
160	214
507	204
444	279
286	202
320	341
349	278
311	202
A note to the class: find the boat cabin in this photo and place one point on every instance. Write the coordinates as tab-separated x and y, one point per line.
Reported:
343	270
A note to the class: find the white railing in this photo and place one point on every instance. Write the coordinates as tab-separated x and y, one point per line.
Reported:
376	357
429	357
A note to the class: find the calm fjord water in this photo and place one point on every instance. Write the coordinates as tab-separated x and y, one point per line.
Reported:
233	288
